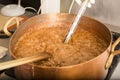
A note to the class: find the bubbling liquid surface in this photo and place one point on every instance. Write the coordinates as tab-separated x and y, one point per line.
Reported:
82	47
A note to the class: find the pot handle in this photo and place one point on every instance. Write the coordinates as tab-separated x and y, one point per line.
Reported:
113	53
5	28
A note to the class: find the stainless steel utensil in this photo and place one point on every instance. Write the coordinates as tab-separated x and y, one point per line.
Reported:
75	22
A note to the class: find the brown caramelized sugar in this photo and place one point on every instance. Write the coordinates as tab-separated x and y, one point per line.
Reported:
82	47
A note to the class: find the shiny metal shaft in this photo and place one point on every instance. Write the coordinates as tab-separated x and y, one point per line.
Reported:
75	22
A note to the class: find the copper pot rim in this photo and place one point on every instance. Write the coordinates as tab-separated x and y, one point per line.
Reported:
93	59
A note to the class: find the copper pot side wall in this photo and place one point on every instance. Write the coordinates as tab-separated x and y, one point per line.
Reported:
93	69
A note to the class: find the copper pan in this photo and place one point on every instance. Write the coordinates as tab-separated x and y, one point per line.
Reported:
95	68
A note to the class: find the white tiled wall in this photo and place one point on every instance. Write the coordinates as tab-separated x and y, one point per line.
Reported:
107	11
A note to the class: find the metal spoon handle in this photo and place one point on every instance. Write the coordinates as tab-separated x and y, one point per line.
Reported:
77	18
